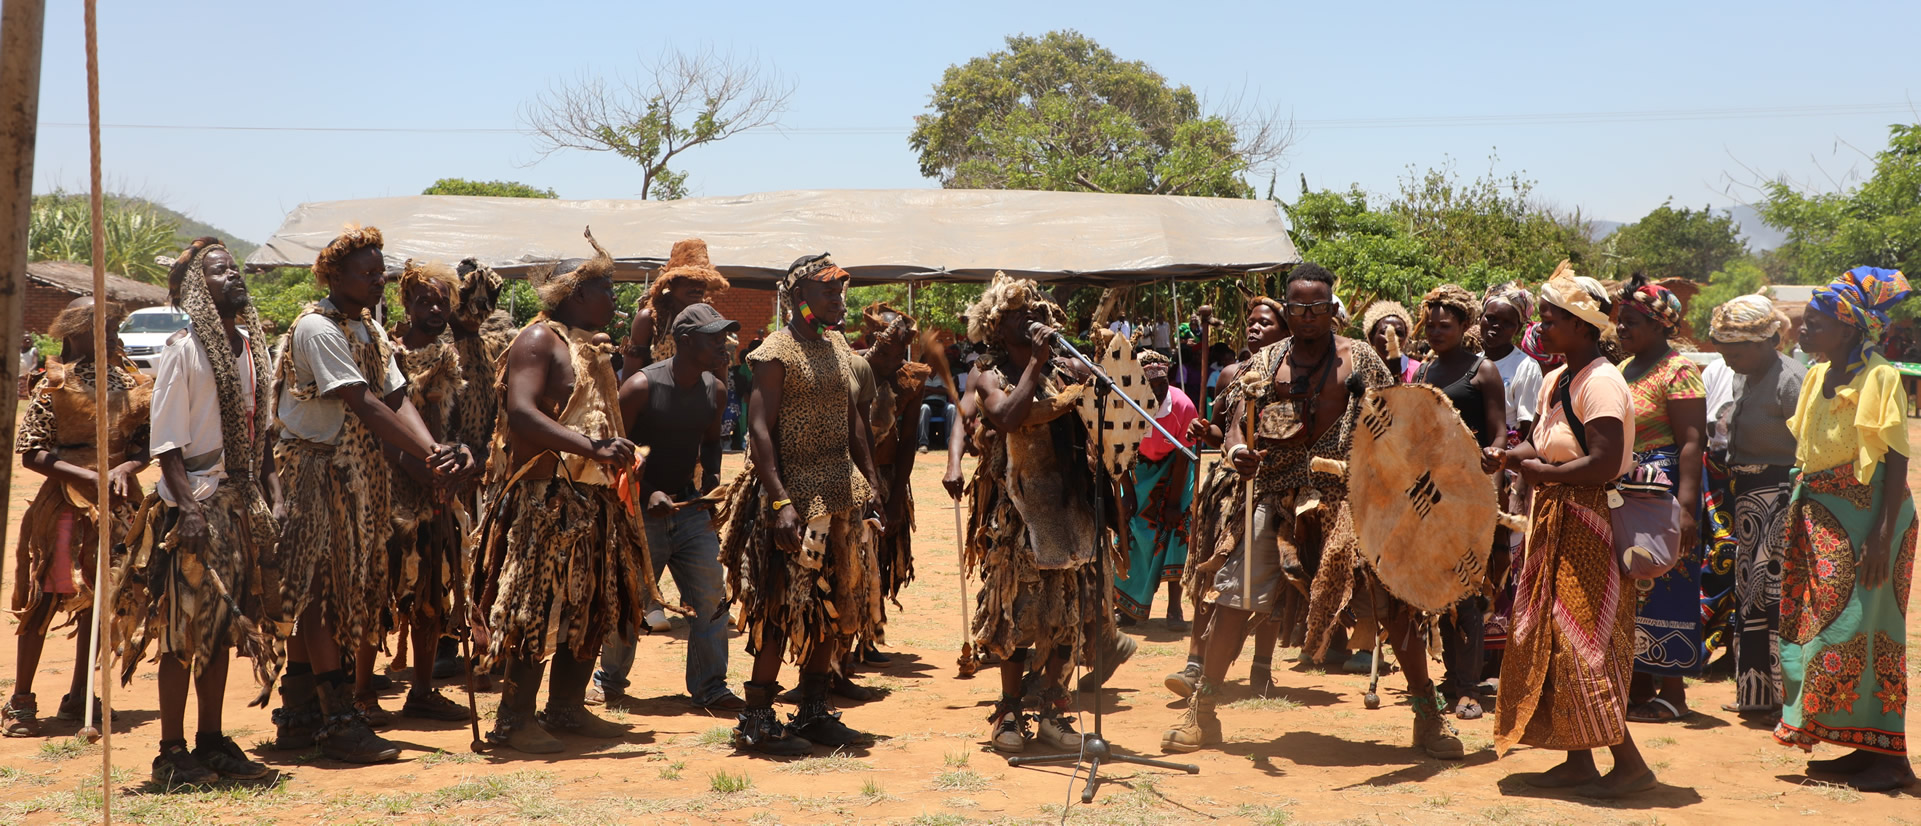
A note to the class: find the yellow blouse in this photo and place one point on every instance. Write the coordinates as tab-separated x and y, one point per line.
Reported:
1866	418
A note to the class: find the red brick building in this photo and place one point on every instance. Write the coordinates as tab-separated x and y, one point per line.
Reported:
753	307
51	285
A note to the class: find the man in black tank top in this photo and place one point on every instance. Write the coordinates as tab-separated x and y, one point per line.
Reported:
673	408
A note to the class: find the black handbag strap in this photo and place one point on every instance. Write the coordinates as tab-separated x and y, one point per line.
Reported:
1564	397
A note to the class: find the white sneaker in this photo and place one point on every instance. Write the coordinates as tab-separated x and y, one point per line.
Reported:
657	620
1058	732
1007	735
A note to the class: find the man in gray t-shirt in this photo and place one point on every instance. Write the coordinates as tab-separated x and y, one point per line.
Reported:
340	397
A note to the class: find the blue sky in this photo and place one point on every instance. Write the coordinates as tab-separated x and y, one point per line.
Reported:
871	67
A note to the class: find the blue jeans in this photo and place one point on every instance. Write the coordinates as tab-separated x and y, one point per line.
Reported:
686	542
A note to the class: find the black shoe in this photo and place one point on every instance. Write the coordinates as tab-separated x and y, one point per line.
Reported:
346	737
223	755
758	730
447	661
71	711
872	656
298	716
823	727
848	689
175	766
380	684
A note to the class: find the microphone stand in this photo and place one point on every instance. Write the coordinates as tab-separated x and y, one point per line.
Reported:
1095	749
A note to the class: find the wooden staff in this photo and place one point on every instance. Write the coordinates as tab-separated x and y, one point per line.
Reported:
969	662
1200	406
101	654
1247	505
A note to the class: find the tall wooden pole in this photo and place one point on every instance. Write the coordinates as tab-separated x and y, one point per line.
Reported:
103	364
22	22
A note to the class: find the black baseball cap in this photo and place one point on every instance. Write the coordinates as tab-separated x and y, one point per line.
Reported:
702	318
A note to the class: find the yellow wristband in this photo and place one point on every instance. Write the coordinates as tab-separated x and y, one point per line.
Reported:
781	503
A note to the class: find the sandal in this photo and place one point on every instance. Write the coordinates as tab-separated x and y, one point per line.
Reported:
1652	712
1467	708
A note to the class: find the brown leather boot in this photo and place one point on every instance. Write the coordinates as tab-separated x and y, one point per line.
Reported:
1199	727
1432	732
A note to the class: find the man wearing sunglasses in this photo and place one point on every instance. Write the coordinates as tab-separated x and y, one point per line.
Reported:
1305	408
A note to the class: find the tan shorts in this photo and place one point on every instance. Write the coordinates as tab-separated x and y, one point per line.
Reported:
1265	571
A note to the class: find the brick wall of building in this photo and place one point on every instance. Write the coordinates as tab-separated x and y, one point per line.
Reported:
43	303
753	307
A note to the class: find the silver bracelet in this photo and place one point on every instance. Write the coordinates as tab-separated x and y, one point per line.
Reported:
1235	451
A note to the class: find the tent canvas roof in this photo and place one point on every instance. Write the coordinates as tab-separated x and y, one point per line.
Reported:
877	235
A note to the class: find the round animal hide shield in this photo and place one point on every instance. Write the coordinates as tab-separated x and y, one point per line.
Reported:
1125	428
1423	510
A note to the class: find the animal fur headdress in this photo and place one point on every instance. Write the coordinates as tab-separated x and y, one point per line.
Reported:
554	284
478	295
77	319
1380	311
1006	294
881	320
417	274
687	262
243	432
1462	302
352	239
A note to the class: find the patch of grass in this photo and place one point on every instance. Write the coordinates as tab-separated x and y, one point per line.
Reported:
443	756
962	780
1833	791
871	791
1262	815
942	819
1266	704
1441	802
956	759
522	784
831	764
397	804
726	782
10	776
65	748
671	771
1661	742
714	737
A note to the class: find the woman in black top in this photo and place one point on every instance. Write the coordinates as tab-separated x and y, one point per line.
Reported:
1473	384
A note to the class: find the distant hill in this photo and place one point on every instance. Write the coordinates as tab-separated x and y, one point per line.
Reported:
191	229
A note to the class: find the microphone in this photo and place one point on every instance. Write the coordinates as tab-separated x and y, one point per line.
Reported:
1035	328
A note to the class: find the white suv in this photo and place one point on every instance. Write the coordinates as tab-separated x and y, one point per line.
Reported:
146	330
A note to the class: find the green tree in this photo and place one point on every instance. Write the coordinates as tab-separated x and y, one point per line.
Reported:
1060	112
1371	251
1438	229
1876	224
935	305
681	101
1677	243
496	189
1490	229
1742	276
60	228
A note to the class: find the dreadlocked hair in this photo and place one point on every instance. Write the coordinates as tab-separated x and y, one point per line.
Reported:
180	265
243	433
1452	298
1004	294
353	238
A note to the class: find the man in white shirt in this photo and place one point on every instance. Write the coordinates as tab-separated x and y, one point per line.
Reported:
202	592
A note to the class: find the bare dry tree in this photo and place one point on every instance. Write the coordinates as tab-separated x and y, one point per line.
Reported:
680	101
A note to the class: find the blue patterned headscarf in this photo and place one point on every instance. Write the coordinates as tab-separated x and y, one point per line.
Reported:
1861	298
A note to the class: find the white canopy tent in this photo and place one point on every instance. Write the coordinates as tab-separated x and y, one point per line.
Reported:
877	235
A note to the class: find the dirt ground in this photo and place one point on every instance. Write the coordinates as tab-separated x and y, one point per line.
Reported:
1312	755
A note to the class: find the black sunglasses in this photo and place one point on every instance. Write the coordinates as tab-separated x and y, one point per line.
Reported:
1297	310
